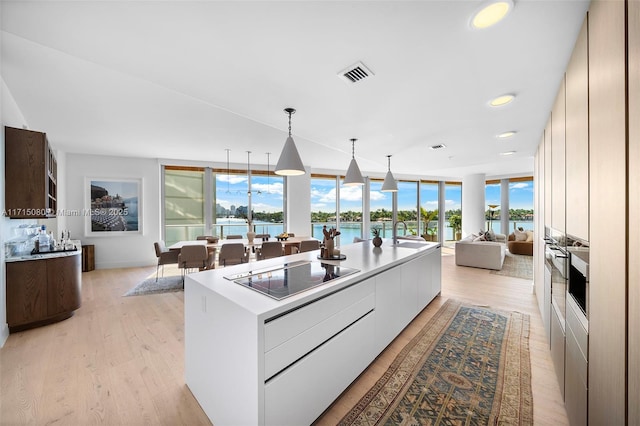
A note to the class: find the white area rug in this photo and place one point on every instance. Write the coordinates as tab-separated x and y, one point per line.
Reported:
150	286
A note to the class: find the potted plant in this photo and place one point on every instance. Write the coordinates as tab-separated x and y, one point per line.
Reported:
455	221
430	232
377	241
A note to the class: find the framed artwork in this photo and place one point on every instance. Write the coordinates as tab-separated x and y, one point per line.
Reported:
114	206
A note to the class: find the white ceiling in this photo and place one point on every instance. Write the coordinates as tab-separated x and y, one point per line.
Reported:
185	80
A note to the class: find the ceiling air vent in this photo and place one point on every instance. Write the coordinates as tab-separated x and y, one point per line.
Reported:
438	146
355	73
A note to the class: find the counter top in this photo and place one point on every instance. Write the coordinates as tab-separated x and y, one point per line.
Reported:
363	256
45	255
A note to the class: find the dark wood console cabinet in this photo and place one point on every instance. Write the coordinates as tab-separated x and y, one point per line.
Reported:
30	175
42	291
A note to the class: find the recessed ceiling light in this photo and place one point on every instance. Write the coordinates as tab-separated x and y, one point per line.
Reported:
507	153
506	135
502	100
491	13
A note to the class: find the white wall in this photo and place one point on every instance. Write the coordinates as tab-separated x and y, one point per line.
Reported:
10	115
299	204
473	190
114	251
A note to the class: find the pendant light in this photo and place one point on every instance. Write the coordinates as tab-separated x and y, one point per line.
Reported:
389	184
268	172
249	175
353	177
289	163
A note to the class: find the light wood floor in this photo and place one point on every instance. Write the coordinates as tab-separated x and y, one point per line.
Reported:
120	360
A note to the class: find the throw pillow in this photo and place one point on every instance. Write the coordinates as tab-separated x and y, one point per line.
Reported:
490	235
529	236
479	238
520	235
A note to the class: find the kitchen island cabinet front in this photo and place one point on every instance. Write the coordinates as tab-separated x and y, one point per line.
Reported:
252	359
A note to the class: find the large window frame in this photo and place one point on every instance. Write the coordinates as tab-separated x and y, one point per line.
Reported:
210	216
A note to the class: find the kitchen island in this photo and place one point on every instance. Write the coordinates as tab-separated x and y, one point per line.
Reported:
251	359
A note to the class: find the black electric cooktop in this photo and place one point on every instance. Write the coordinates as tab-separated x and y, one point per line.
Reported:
291	278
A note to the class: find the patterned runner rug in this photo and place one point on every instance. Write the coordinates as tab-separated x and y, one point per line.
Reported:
468	366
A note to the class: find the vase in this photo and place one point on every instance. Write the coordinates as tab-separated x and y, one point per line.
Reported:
250	236
328	248
377	241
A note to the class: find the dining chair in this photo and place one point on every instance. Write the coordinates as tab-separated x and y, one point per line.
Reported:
192	257
232	254
165	256
234	237
269	249
308	245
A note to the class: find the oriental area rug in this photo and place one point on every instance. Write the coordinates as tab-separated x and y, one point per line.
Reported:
150	286
517	266
468	366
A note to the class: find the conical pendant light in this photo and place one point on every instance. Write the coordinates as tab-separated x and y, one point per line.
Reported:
289	163
353	177
389	184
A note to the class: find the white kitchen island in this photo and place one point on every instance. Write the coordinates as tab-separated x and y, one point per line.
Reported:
254	360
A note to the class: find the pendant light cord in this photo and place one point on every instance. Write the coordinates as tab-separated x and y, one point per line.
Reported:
268	173
353	148
389	162
227	169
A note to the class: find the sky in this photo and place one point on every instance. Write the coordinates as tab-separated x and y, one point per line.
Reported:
267	192
520	195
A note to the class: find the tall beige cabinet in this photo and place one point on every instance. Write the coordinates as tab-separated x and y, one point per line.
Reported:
608	212
633	239
558	180
601	202
577	138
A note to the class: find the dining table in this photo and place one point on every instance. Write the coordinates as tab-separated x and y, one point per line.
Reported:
288	244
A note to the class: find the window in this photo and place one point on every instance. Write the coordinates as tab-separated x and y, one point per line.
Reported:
492	198
407	207
521	203
183	203
188	195
267	203
429	210
323	204
381	209
350	214
232	202
453	207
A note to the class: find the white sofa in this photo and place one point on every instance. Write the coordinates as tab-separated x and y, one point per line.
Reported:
480	254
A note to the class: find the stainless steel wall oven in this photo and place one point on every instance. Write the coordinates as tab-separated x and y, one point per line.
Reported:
578	286
556	259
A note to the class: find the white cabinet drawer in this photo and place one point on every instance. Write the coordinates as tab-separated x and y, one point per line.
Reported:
299	332
298	395
283	328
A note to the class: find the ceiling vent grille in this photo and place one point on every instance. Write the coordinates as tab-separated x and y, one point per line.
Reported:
355	73
438	146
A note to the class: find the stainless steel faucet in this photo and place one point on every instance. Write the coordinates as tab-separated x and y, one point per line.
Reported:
395	230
